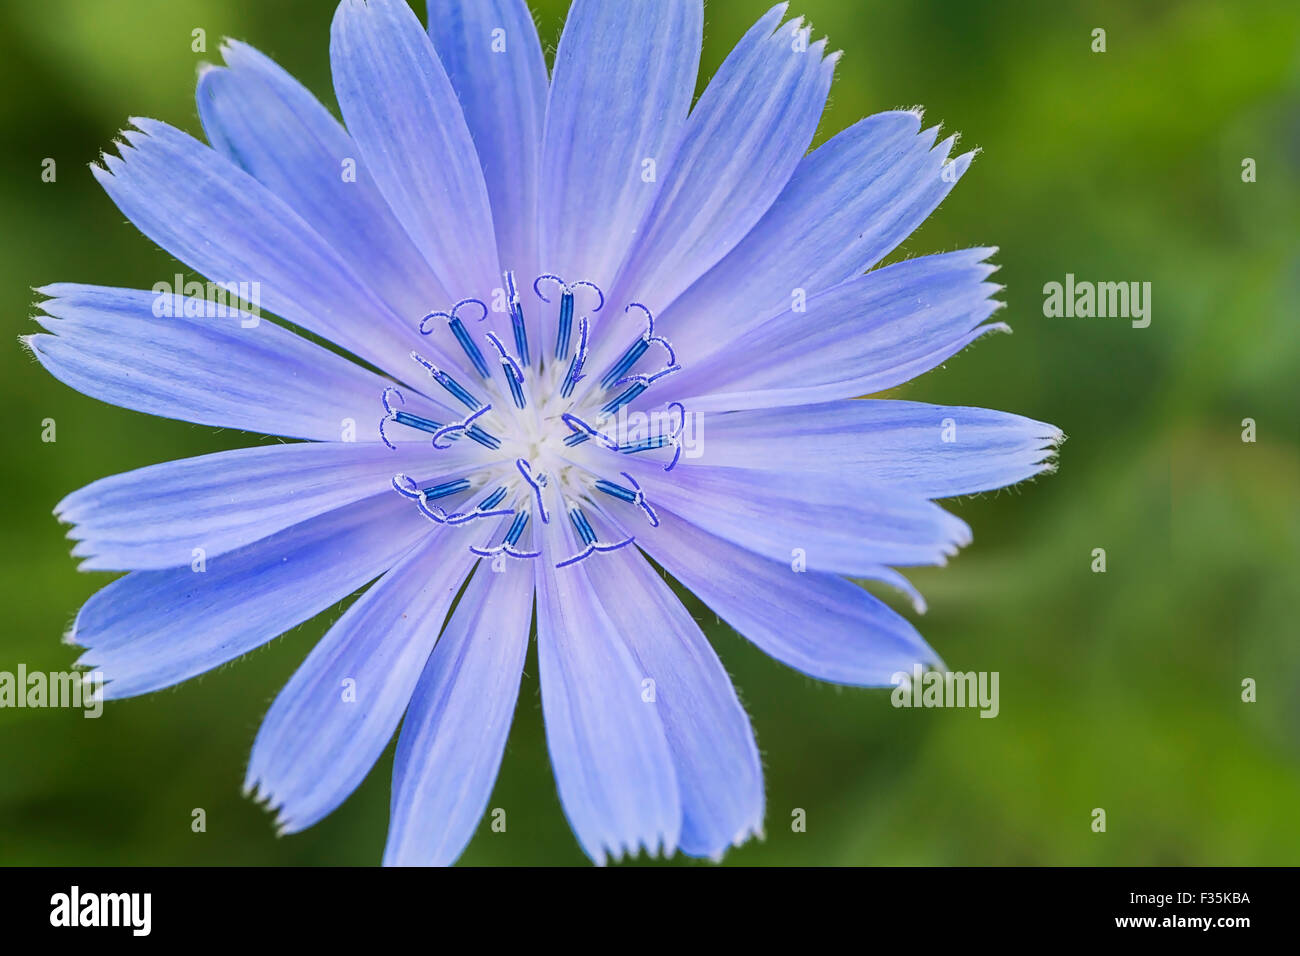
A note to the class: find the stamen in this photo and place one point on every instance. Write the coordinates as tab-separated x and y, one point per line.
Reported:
582	524
536	484
615	489
648	380
588	536
661	441
677	434
564	330
483	438
517	319
441	516
617	375
677	454
517	528
415	421
646	444
449	432
621	367
622	385
405	486
462	335
445	489
514	374
628	395
575	375
640	500
507	546
492	500
586	431
402	418
457	390
591	549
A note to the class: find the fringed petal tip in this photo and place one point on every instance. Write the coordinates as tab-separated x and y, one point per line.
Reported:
664	847
1000	327
950	167
800	24
236	52
902	585
138	130
266	800
1049	461
959	536
753	830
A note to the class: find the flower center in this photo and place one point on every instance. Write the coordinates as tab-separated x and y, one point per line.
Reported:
542	437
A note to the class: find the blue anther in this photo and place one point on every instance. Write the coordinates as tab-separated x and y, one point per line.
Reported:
415	421
447	382
514	374
565	333
457	390
583	525
577	438
471	349
631	392
483	438
492	500
517	320
571	378
445	489
624	364
517	528
574	374
646	444
516	390
616	490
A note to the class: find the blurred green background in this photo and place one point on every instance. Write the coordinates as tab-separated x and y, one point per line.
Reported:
1119	690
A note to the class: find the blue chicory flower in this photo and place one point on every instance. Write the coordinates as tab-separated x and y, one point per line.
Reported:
555	283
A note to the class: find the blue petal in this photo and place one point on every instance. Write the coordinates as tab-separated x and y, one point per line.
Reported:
401	110
152	629
847	206
622	85
740	146
153	517
863	336
214	217
612	764
935	451
265	121
842	523
503	95
455	731
719	773
109	344
819	624
336	715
